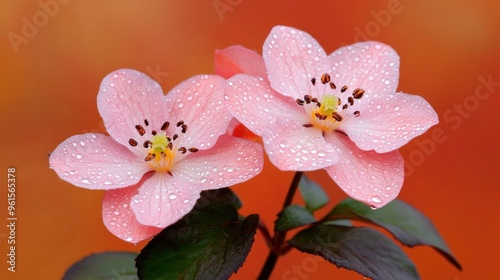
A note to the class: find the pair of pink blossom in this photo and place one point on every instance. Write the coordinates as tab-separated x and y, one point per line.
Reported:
338	112
161	153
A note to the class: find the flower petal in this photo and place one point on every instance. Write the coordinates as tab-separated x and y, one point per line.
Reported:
371	66
231	161
391	122
237	59
119	218
254	103
367	176
237	129
162	200
292	58
291	146
95	161
198	102
126	98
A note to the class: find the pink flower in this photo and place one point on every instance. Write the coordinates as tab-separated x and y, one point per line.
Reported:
161	153
237	60
339	112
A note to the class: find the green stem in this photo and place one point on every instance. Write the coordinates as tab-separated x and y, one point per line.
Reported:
279	236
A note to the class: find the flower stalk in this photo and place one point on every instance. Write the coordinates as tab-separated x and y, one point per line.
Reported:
279	236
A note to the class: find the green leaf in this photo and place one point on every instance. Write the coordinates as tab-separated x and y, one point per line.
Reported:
314	196
108	265
208	243
361	249
293	216
406	224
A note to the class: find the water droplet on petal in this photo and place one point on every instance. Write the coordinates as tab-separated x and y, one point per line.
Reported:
129	239
376	199
283	144
172	196
116	213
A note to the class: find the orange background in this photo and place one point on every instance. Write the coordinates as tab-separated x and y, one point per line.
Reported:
49	86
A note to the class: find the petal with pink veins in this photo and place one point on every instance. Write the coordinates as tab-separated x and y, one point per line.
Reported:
95	161
367	176
292	59
371	66
119	218
198	102
254	103
162	200
231	161
237	59
291	146
126	98
391	122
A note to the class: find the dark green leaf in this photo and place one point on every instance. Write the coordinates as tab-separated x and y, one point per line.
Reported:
208	243
314	196
224	194
361	249
108	265
406	224
346	223
292	217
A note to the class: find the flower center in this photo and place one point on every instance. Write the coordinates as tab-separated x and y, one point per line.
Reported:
161	150
327	114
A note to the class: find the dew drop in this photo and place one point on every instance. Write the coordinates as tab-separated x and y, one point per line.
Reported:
83	143
116	213
172	196
186	201
129	239
283	144
376	199
85	181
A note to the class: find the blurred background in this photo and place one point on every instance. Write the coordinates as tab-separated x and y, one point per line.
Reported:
54	54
